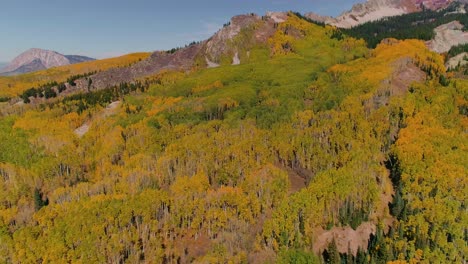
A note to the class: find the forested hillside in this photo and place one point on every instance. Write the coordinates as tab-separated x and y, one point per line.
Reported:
315	149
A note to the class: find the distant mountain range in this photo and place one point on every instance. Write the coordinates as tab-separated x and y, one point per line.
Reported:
39	59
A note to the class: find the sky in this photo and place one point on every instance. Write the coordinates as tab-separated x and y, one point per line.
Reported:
108	28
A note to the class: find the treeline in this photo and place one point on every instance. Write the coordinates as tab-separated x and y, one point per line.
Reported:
173	50
105	96
52	89
455	50
322	24
43	91
71	80
419	25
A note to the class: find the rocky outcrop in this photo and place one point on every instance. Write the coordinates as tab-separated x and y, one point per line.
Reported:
182	59
447	36
278	17
319	18
219	44
39	59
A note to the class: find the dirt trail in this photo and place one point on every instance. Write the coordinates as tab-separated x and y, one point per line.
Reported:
296	181
109	110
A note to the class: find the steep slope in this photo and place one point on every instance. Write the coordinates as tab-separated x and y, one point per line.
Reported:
39	59
182	59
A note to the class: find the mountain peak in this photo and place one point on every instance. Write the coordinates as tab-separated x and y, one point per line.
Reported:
39	50
35	59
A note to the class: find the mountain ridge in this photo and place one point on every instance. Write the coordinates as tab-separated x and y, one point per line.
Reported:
372	10
231	44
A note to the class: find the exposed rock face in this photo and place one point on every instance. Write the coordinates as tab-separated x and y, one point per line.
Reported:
346	238
433	4
447	36
319	18
182	59
211	64
377	9
278	17
39	59
373	10
235	59
218	45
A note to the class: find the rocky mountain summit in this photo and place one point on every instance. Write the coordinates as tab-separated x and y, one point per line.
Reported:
377	9
39	59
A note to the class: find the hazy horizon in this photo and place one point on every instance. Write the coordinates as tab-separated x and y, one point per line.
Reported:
112	28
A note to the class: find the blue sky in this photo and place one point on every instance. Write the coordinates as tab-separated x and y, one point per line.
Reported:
107	28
